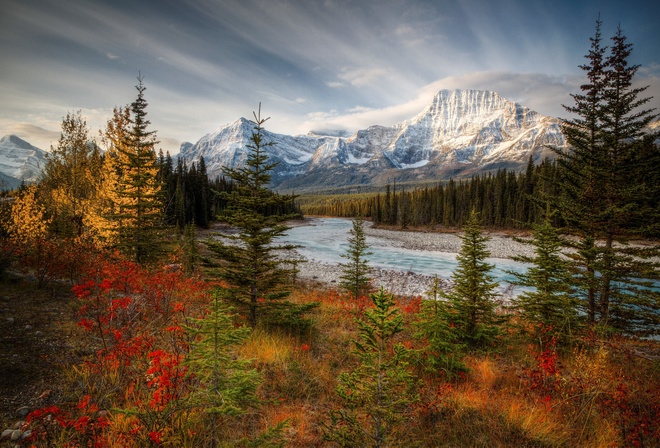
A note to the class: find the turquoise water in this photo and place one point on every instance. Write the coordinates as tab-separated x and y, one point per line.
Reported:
325	239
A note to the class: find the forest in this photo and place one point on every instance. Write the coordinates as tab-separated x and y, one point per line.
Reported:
504	200
149	306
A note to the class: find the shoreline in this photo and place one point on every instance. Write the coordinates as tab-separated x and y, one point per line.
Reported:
408	283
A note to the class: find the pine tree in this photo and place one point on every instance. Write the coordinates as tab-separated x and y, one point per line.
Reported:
444	347
203	196
134	197
606	194
355	274
578	166
379	392
189	249
226	384
548	300
251	267
473	295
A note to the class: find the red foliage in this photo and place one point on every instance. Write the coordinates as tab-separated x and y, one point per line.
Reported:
87	425
544	377
138	316
166	377
410	306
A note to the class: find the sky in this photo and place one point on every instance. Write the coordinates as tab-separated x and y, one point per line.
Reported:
326	66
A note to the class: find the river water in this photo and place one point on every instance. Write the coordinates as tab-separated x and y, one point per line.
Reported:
325	239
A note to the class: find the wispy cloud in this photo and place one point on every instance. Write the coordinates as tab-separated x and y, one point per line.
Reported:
317	64
362	76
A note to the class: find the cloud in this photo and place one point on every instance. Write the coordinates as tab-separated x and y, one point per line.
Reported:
170	145
35	135
362	76
111	56
335	84
542	93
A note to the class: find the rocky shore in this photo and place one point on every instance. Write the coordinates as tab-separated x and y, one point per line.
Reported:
499	246
409	283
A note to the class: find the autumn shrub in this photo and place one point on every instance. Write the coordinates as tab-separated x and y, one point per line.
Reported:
148	333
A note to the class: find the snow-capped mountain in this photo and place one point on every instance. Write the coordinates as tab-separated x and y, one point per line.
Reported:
460	133
19	161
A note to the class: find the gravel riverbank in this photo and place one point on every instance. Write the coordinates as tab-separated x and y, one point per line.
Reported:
408	283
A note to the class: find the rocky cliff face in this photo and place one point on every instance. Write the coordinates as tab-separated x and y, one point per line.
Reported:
460	133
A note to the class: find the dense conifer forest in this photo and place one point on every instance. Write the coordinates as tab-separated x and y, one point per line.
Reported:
504	199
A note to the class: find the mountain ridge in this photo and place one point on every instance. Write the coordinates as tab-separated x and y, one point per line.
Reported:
458	134
19	161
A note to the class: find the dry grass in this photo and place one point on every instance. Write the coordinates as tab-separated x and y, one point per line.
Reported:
491	405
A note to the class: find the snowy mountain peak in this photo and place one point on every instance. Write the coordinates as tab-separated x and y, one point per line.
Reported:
17	142
460	133
19	160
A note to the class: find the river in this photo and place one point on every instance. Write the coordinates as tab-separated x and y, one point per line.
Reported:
325	239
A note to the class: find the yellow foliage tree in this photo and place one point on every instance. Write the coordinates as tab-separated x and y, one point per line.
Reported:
105	217
129	211
70	179
28	221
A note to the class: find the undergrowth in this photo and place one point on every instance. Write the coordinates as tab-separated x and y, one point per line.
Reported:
127	384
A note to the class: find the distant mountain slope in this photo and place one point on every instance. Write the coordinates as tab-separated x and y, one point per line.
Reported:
19	160
460	133
8	182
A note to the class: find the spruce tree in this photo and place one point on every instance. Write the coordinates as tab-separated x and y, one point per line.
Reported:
548	300
226	385
379	392
133	202
473	295
189	249
251	264
444	348
606	195
355	273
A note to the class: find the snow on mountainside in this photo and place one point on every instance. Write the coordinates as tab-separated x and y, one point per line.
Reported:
19	161
460	133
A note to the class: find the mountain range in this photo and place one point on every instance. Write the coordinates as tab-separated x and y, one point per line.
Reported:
459	134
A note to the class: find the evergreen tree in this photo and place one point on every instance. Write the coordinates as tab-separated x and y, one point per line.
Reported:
549	301
355	274
444	347
226	384
203	196
606	195
133	194
379	392
473	295
190	251
251	267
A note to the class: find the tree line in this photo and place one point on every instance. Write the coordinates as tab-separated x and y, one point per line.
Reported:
585	207
117	191
504	199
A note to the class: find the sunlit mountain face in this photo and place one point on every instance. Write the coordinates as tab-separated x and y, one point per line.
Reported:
460	133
